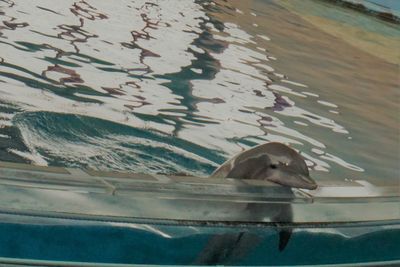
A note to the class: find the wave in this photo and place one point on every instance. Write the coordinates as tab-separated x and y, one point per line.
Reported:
87	142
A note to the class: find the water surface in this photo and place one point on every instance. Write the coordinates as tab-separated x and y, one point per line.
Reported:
180	86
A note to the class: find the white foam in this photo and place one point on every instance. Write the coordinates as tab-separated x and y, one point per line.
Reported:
264	37
198	71
238	11
294	83
341	162
285	89
36	158
328	104
310	94
300	123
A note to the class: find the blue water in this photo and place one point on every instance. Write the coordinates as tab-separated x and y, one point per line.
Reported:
169	244
381	6
392	4
172	87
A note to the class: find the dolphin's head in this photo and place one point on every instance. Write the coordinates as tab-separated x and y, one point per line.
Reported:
284	166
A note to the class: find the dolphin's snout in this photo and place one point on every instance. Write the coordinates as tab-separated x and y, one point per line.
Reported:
294	180
307	182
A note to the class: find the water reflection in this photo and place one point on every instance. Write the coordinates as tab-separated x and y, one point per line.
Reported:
173	67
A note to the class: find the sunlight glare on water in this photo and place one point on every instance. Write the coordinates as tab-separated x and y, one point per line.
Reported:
154	87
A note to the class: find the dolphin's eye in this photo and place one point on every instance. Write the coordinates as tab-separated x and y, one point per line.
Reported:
273	166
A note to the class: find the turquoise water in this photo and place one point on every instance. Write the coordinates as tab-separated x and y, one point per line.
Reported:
172	87
387	6
393	6
169	244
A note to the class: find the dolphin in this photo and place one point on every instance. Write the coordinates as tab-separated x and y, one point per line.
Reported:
274	162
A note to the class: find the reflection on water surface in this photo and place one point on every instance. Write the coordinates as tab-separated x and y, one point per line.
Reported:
173	86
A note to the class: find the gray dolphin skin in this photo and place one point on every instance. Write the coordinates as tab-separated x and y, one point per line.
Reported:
274	162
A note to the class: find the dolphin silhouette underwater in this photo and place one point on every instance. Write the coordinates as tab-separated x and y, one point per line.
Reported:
274	162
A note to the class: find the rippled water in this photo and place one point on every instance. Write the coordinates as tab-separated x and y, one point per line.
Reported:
180	86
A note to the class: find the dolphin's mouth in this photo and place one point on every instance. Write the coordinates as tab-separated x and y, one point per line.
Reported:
294	180
307	182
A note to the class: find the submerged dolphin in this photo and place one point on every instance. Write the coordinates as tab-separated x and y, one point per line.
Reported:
273	162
